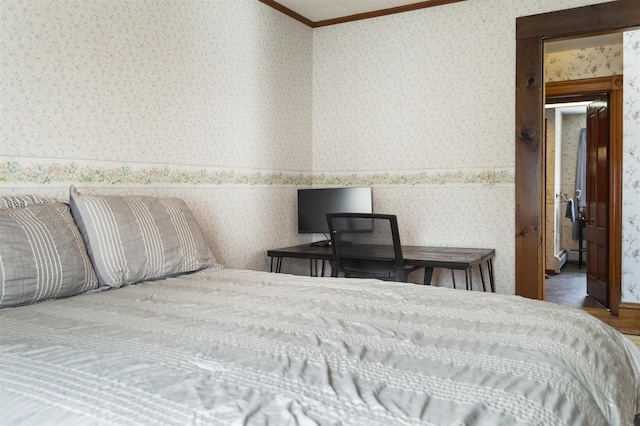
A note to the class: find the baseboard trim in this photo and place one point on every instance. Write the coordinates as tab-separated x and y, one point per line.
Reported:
630	317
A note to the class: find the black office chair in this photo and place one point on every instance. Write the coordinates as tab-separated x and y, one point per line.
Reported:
367	245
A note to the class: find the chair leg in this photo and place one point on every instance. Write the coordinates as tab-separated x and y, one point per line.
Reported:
428	274
453	278
334	268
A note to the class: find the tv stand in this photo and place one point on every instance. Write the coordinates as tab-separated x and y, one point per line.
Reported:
321	243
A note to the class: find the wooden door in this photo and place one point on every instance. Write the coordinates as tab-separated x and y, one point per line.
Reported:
597	209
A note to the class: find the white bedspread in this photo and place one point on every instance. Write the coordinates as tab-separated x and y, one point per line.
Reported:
243	347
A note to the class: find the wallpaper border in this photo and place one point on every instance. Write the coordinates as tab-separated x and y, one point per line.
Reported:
31	171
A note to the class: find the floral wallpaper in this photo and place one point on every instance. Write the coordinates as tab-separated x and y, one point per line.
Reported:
234	105
223	84
631	169
462	176
21	171
207	100
88	173
601	61
428	90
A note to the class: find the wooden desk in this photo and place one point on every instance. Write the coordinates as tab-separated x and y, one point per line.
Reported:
453	258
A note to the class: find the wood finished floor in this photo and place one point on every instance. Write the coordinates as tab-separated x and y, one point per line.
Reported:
604	316
569	288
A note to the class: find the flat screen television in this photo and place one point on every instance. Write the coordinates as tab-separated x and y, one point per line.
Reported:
314	204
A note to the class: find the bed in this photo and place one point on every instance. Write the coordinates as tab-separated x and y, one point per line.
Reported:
201	344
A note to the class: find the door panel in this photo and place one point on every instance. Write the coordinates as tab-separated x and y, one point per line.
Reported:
597	221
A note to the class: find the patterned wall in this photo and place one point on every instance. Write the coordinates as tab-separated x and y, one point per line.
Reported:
631	170
234	105
391	95
206	100
225	84
601	61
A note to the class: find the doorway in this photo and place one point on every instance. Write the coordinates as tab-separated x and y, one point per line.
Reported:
577	167
598	196
531	32
565	251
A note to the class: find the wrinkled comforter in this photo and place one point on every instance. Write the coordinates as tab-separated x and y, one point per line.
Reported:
243	347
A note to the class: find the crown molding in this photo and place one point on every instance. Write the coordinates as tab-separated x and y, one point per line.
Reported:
357	17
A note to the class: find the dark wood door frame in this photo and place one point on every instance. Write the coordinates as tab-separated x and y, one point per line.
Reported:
531	33
586	89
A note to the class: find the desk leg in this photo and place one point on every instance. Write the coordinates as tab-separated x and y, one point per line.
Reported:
468	279
491	279
428	274
313	267
484	288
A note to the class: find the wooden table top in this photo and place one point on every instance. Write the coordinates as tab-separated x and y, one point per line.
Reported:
435	257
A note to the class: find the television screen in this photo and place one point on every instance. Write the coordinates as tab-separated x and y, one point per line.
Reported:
314	204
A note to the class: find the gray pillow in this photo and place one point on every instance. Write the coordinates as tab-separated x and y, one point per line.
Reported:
136	238
42	255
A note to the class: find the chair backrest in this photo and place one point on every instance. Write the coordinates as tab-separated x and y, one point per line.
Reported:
366	244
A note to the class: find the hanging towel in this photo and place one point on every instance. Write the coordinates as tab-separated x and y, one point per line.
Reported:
581	171
571	213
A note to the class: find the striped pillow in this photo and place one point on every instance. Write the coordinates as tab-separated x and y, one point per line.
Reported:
136	238
42	255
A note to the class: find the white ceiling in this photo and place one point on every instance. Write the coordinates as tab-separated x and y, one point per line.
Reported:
322	10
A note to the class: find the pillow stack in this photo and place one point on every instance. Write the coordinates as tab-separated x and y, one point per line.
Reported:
49	249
